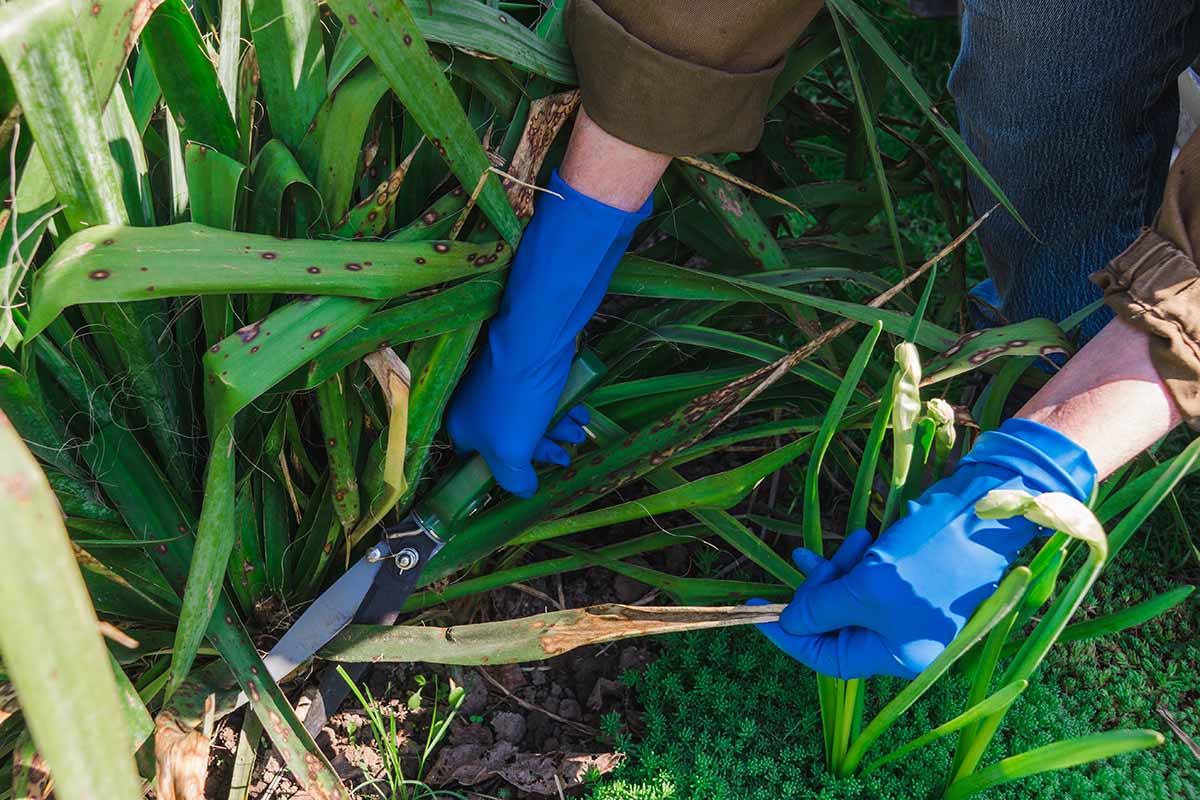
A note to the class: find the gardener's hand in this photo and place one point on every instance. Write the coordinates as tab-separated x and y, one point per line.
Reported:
892	607
504	405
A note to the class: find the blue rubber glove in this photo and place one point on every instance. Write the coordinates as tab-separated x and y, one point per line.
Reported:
504	404
890	608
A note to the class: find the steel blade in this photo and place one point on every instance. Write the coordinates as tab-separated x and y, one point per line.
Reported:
321	621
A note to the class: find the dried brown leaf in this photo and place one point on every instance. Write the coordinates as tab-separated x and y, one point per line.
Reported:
182	755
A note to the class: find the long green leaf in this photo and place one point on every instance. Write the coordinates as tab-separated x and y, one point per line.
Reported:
285	202
210	556
188	78
867	123
150	507
1117	621
43	50
866	28
336	138
245	365
813	534
53	651
1059	755
720	490
997	702
990	612
450	309
644	278
335	427
110	264
291	59
388	32
475	27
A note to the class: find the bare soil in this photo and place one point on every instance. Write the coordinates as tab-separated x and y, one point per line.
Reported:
523	730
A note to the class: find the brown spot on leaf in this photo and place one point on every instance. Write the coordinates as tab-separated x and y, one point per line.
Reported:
314	270
317	334
354	267
269	256
353	20
249	333
441	247
419	260
407	40
99	274
108	241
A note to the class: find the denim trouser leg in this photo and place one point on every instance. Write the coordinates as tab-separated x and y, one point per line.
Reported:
1072	107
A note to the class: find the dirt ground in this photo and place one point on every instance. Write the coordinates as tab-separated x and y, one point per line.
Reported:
523	730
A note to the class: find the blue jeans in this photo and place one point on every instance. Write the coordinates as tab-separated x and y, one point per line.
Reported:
1072	107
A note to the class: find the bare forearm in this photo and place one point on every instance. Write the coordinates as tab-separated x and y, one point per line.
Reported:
607	169
1108	398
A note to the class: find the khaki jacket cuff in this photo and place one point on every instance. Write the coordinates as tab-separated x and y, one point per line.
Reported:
1155	286
659	102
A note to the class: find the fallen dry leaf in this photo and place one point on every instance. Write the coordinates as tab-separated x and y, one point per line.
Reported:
469	764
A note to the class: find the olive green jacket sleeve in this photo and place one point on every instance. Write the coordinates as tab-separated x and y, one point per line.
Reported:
1155	283
682	77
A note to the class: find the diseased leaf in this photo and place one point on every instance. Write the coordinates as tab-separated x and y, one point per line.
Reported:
109	263
389	34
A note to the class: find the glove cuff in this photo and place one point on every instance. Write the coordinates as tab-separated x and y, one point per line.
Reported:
560	274
599	214
1043	456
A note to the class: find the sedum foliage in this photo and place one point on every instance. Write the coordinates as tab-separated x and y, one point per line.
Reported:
720	723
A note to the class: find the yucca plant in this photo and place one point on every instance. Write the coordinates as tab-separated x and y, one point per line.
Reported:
248	252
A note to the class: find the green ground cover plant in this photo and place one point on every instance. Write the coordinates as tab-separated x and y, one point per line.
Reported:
714	724
246	265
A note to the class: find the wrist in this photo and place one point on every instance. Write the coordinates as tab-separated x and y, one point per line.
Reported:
1109	398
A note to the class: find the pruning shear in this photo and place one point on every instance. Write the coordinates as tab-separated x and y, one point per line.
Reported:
375	588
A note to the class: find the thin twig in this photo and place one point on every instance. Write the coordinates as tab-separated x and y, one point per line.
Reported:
784	365
525	704
1188	741
539	594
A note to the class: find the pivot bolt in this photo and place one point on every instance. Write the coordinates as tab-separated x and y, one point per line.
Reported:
407	559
